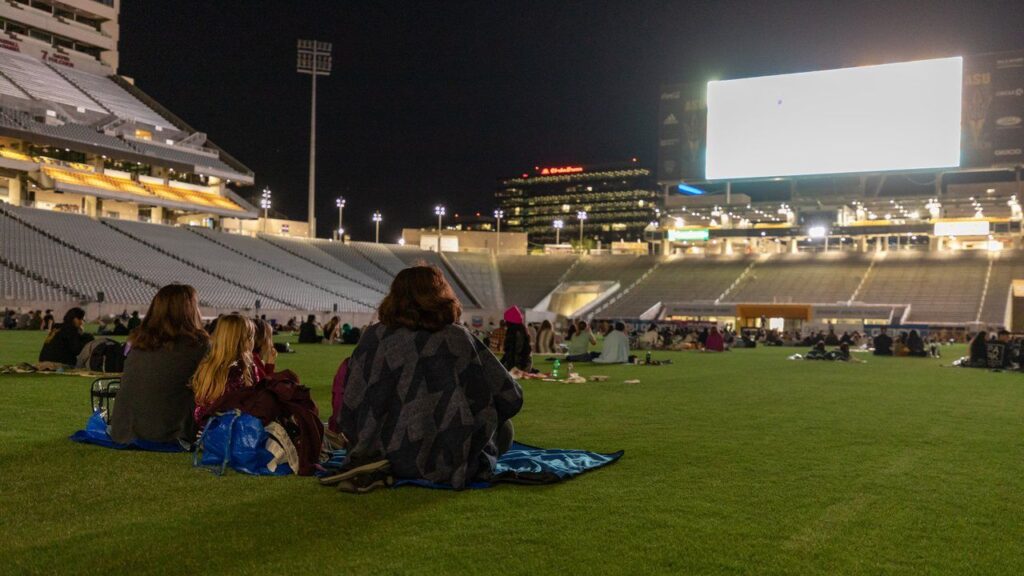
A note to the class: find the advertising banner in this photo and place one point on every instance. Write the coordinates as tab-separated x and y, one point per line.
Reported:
993	109
682	128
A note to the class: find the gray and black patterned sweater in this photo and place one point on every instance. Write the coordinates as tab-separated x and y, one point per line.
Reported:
428	402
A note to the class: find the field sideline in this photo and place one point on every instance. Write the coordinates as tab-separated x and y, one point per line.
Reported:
738	463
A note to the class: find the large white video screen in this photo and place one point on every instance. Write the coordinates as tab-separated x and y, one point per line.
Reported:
873	118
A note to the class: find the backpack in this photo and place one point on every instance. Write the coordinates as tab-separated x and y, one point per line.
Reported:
107	356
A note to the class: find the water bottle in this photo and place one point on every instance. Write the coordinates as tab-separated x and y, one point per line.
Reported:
647	359
554	371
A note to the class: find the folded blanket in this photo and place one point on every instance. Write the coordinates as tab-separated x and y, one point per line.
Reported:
95	432
522	464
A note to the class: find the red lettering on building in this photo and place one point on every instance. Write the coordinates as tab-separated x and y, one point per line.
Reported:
561	170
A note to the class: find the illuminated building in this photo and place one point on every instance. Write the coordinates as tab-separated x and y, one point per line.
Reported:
619	199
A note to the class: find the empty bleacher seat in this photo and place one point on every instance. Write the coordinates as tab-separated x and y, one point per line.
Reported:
113	97
478	271
526	280
41	82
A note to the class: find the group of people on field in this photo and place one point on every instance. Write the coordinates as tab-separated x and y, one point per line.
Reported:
416	368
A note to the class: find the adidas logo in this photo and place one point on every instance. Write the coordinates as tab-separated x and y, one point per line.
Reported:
670	120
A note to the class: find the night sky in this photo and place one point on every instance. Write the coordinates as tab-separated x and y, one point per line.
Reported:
431	102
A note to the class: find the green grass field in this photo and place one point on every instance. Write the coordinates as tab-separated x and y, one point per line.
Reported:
739	463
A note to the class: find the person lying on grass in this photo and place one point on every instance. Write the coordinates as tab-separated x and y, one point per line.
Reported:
422	394
227	367
154	402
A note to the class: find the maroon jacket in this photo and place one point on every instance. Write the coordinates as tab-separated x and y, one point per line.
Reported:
280	398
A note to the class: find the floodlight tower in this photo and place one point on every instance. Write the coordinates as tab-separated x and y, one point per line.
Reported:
558	224
498	215
340	203
582	217
439	212
314	58
376	222
265	204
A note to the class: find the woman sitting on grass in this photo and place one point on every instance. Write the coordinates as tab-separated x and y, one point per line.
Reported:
155	403
264	355
580	341
423	396
66	339
227	367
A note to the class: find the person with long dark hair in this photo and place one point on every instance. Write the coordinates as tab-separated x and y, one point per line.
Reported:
423	397
66	339
155	402
517	352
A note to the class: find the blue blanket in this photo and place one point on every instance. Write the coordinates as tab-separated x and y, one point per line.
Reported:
95	432
522	464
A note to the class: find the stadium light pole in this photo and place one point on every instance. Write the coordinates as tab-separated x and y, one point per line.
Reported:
376	222
439	211
498	215
340	203
582	217
558	230
314	58
265	204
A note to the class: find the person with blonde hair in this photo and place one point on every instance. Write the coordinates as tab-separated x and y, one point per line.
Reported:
227	367
154	403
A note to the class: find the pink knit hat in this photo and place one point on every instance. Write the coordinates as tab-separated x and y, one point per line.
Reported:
514	315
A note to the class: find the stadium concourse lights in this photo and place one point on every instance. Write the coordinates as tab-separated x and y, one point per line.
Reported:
581	215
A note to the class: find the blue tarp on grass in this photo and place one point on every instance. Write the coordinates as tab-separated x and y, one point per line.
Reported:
522	464
95	432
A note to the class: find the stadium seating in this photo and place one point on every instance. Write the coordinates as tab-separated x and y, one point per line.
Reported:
17	285
378	255
40	82
24	243
1007	267
679	279
283	274
940	288
528	279
107	244
412	256
478	271
803	278
113	97
316	252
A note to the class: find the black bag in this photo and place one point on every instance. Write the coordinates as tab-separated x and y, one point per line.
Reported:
107	357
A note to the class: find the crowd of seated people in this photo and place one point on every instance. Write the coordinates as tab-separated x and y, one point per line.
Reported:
993	350
178	375
27	320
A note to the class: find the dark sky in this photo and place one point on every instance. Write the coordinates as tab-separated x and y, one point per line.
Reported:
432	101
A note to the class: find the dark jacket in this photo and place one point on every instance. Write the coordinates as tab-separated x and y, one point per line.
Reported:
517	348
883	345
63	344
428	402
308	335
155	402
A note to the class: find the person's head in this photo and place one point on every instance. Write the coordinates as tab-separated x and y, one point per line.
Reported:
263	337
420	299
581	326
74	317
311	318
1004	336
620	326
545	325
513	315
173	314
232	342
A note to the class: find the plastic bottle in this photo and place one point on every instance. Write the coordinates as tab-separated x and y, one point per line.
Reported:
554	370
647	359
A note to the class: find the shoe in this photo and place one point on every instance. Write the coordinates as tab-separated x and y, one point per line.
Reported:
365	469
